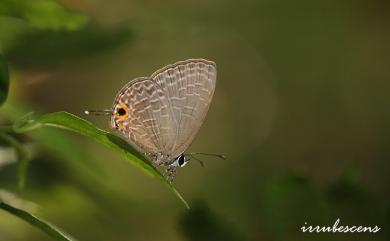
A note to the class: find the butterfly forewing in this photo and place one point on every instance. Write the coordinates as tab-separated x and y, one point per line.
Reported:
189	87
167	109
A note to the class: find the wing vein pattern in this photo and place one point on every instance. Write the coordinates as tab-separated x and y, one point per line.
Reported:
167	109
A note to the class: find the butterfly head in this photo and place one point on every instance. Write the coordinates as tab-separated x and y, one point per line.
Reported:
180	161
119	115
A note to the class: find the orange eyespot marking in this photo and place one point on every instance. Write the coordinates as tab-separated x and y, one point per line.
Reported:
121	112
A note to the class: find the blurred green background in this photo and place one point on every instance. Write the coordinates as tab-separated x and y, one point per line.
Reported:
301	110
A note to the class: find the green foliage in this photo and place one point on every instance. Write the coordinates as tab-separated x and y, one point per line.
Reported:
44	226
64	120
4	80
19	19
43	14
76	124
57	34
22	157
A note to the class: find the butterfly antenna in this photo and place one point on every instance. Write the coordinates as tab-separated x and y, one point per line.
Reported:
209	154
193	157
98	112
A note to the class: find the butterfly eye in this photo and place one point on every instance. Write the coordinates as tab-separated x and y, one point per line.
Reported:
121	111
182	160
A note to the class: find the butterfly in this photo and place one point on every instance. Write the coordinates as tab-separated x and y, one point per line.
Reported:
160	115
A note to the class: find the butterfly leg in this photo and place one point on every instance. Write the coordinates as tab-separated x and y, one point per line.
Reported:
157	158
170	173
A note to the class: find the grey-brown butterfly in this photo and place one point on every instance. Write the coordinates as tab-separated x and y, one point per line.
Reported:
160	115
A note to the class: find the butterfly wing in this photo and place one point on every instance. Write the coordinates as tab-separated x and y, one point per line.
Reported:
188	87
147	113
165	111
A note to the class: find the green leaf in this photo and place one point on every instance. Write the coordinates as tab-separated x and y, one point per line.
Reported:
44	226
43	14
76	124
67	149
48	14
23	161
4	80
